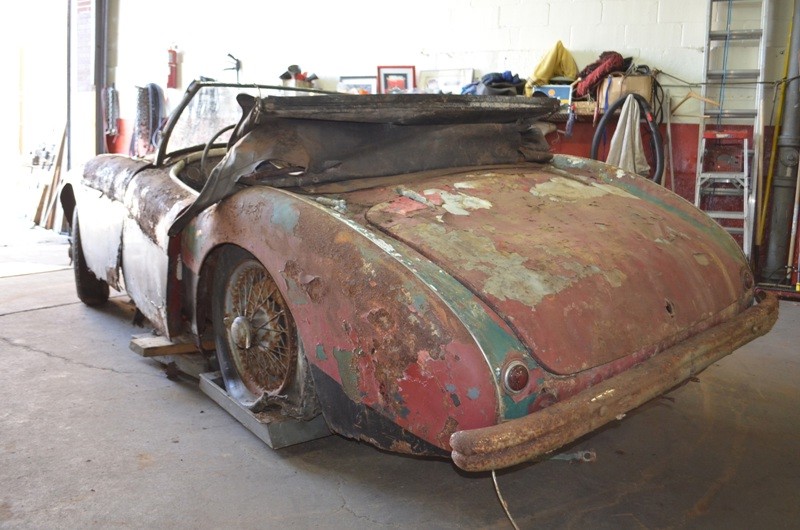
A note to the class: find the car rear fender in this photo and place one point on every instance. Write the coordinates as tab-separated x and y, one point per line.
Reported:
387	348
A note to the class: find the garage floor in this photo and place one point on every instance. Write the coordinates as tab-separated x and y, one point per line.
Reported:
95	436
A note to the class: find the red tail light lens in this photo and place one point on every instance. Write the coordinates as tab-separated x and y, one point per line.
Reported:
516	377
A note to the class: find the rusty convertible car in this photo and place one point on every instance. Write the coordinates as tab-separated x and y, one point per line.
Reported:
420	270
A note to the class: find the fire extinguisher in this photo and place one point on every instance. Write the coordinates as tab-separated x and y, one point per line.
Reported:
172	62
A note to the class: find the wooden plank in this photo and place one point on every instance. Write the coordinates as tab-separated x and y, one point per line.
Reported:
149	345
55	184
37	217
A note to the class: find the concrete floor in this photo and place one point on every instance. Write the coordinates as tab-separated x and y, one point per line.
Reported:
94	436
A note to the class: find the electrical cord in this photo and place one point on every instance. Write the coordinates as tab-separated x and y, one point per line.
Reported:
777	82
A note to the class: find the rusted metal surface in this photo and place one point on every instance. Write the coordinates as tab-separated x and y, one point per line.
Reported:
527	438
366	320
365	315
128	206
154	200
345	314
619	272
110	174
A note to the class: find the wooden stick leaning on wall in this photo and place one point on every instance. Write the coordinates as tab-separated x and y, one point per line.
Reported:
55	184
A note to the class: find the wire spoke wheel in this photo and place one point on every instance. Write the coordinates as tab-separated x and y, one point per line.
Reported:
257	341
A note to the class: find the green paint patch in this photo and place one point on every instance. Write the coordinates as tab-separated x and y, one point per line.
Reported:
286	216
321	353
348	373
296	295
420	302
495	342
638	188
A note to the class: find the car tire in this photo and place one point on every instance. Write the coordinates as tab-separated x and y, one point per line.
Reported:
258	347
92	291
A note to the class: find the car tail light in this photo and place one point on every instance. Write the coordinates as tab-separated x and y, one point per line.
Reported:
516	377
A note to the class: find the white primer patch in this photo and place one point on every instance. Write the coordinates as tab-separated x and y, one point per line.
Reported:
462	204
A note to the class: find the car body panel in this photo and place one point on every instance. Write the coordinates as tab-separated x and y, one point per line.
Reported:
102	220
366	320
128	216
529	438
542	246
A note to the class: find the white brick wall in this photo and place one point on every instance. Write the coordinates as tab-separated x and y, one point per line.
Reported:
624	12
681	11
353	37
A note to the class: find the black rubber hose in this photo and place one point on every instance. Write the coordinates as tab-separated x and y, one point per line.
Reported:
655	140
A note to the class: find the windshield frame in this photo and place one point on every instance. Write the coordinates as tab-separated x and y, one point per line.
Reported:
191	91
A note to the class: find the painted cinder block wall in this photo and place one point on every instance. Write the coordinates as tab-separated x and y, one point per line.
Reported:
333	39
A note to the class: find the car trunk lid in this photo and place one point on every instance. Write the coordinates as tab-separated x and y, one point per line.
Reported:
585	269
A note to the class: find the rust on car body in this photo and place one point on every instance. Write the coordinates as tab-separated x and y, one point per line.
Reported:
536	246
533	436
426	254
137	207
365	317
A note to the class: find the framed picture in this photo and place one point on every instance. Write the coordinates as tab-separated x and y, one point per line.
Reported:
358	84
396	79
445	81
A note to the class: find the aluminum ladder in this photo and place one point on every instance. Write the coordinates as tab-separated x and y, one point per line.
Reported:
731	134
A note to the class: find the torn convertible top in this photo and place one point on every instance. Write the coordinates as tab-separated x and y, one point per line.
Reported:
342	137
298	141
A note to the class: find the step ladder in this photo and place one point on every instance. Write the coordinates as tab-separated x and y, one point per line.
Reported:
731	135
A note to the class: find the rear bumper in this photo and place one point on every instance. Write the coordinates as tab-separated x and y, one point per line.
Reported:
527	438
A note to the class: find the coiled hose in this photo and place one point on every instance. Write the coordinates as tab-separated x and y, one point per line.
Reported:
656	142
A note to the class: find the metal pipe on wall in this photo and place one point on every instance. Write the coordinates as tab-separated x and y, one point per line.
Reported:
100	70
783	184
793	237
68	130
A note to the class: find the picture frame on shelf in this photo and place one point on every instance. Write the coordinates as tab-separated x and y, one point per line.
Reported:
449	81
358	84
396	79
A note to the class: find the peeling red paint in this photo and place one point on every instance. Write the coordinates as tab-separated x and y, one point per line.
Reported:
548	257
399	360
404	206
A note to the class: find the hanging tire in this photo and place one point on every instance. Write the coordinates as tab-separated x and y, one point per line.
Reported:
258	347
92	291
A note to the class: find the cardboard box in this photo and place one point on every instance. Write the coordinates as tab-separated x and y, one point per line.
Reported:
614	87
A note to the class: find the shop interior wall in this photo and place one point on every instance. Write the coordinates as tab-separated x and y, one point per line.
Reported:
346	38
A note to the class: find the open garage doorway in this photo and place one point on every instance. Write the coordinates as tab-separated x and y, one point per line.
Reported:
51	106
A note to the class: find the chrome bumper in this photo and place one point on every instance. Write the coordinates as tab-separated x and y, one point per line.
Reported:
542	432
